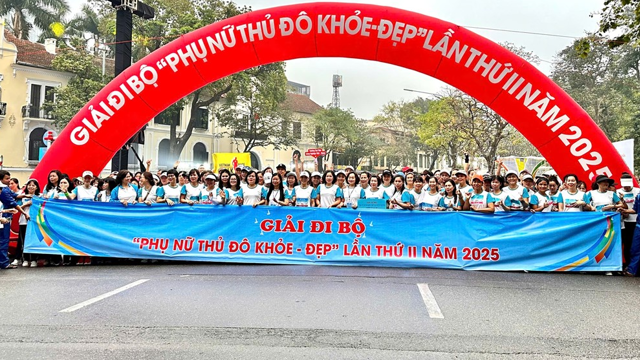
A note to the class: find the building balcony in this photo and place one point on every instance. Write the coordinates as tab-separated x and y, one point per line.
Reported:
34	112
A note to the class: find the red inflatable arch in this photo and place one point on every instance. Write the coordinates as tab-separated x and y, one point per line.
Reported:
554	123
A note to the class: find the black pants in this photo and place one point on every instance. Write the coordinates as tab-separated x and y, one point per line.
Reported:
20	248
627	239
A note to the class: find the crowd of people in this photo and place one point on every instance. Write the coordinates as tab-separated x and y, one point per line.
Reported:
439	190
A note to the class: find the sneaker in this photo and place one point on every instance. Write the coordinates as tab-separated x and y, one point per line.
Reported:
608	273
34	264
25	263
15	262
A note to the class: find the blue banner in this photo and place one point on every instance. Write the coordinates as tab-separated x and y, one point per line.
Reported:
587	241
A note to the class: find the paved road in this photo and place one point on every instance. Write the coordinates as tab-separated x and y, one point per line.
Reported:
195	311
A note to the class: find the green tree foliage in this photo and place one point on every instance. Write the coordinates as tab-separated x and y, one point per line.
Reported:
27	14
261	120
401	120
605	82
621	18
338	131
83	86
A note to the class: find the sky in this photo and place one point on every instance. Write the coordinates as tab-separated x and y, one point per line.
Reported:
368	86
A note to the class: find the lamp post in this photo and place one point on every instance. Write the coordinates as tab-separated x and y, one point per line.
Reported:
125	9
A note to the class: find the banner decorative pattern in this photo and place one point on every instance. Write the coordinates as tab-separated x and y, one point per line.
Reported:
287	235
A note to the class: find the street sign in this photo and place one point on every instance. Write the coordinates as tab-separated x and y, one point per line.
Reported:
315	153
49	136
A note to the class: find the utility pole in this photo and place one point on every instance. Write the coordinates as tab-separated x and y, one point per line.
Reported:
125	9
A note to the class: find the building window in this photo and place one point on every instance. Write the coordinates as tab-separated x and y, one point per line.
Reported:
38	96
297	130
168	117
200	154
202	119
318	135
164	157
255	161
35	143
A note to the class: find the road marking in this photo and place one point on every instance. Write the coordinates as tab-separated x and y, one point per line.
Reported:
103	296
430	302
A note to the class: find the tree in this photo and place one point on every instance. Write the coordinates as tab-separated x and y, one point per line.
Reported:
253	110
401	119
620	18
605	82
339	132
83	86
42	12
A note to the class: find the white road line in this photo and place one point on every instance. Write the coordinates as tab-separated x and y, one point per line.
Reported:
103	296
430	302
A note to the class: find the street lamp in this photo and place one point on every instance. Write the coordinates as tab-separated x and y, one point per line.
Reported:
425	92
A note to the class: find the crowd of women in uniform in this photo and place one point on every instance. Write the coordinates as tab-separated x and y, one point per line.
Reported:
440	190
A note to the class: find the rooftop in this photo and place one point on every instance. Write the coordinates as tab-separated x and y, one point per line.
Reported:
301	104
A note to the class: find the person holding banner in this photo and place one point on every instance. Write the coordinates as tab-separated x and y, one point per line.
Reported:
518	194
316	181
303	193
353	192
417	194
233	193
170	193
571	199
148	192
634	252
191	192
386	185
86	192
373	191
540	200
251	191
628	194
32	189
364	180
224	179
274	194
554	193
400	199
125	192
65	188
210	194
479	200
329	195
450	200
603	199
289	188
108	184
341	179
502	202
51	189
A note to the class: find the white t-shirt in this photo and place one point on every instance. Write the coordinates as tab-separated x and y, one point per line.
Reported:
303	195
328	195
542	200
515	195
599	200
251	196
352	195
480	201
168	192
128	194
210	197
84	194
378	194
569	200
629	197
448	202
103	197
153	194
425	201
233	195
389	190
191	192
502	197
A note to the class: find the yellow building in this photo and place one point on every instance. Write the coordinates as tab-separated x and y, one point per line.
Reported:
26	77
